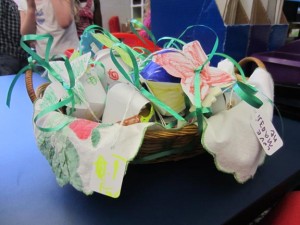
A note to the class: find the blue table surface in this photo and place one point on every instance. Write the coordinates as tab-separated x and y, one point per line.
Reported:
178	193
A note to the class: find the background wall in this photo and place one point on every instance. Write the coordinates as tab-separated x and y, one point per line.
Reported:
119	8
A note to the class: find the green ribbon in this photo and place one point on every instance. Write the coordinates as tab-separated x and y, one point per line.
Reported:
160	104
30	59
172	42
92	28
242	89
197	80
132	79
45	64
158	155
135	79
13	83
137	23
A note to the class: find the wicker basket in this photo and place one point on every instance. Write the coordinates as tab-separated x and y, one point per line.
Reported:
158	145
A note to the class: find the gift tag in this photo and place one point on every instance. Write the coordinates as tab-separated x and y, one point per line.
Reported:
117	146
107	175
266	133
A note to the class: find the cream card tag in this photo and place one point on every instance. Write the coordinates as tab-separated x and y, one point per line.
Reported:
266	133
108	171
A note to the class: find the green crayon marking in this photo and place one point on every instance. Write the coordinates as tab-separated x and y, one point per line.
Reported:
92	80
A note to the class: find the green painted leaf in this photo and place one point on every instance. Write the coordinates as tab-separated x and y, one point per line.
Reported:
95	137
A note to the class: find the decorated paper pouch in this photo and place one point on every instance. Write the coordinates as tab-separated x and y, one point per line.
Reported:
164	87
124	103
109	72
89	93
229	135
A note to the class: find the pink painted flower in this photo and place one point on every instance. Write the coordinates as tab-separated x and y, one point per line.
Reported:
113	74
183	64
83	128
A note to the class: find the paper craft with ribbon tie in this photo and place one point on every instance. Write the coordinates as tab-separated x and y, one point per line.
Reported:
183	64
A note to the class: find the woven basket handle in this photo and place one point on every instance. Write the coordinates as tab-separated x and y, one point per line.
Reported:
29	85
30	89
246	61
251	59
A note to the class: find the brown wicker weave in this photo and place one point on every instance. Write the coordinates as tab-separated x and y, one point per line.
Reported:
183	143
249	64
248	60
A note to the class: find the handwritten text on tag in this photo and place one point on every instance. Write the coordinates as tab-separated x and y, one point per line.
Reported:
266	133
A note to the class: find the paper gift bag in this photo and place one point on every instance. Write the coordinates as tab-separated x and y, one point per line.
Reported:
169	93
110	72
229	137
89	93
124	101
